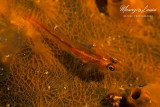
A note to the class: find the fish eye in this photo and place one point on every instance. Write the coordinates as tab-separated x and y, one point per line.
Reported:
110	67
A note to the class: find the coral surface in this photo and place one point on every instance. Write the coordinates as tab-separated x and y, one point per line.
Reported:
39	70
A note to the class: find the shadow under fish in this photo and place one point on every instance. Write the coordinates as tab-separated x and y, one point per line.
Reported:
85	71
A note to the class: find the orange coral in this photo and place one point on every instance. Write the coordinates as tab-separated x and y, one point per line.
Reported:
40	72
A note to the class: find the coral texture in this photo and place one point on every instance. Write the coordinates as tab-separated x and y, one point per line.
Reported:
37	70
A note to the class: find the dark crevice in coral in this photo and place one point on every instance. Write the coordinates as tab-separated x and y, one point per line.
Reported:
4	71
136	94
102	6
124	103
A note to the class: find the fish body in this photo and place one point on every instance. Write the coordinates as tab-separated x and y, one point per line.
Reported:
102	61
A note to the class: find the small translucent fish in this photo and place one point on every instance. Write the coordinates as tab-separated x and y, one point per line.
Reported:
102	61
